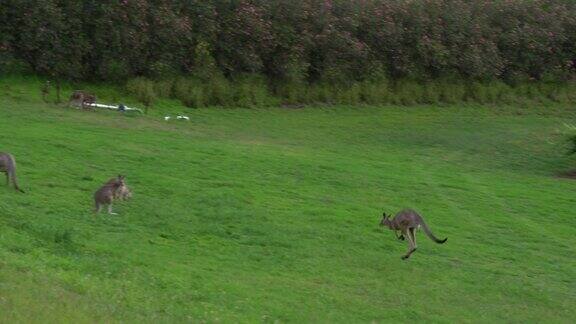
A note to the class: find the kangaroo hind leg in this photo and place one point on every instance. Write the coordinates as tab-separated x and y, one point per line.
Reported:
97	208
411	243
412	233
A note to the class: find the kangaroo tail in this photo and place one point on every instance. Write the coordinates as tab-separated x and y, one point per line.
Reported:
430	235
15	183
12	173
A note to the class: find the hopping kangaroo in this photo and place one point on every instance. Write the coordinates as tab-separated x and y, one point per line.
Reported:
8	166
114	188
407	222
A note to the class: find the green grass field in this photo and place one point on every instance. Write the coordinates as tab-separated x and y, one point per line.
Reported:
272	215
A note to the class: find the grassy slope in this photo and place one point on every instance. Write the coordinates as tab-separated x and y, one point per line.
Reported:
270	215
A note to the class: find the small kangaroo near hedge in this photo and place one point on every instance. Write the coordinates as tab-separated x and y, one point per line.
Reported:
8	166
407	222
113	189
82	99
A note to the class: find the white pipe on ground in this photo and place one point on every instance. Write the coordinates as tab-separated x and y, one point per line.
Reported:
112	107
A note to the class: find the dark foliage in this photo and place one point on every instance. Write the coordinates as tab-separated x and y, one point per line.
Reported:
332	44
329	40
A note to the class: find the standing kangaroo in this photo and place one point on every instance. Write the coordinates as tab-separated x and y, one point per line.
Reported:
123	193
111	190
407	222
82	99
8	166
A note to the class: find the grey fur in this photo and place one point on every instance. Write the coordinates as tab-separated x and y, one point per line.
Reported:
114	188
407	222
8	166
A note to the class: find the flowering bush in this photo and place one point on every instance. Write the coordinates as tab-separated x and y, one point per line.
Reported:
336	44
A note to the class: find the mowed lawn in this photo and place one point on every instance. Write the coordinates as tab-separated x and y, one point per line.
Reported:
272	215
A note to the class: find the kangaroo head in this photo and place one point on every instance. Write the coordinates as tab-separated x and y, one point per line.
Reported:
385	220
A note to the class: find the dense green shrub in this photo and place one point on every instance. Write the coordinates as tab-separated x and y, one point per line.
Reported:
191	92
303	51
292	41
143	90
569	132
251	90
